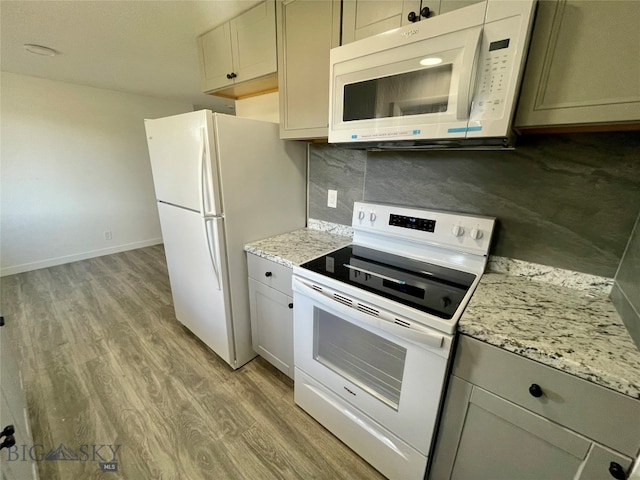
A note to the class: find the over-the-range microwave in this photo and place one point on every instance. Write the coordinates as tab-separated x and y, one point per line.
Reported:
447	81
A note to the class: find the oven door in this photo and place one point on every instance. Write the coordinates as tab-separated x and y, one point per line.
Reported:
393	374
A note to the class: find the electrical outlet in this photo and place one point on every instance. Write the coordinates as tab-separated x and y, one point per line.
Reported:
107	235
332	199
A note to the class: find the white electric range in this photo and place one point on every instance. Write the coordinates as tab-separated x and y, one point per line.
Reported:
374	324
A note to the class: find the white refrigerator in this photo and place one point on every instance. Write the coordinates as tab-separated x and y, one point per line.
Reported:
221	181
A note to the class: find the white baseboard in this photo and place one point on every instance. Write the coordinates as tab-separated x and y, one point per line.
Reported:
52	262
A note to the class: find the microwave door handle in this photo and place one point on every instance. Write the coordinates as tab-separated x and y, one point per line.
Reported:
466	82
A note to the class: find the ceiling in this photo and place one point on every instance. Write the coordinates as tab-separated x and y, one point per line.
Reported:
145	47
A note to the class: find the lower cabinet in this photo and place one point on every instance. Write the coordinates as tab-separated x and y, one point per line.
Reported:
15	464
271	305
485	436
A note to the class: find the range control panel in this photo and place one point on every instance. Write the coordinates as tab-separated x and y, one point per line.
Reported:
414	223
464	232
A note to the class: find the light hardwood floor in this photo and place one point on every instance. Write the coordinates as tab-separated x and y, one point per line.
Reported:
107	363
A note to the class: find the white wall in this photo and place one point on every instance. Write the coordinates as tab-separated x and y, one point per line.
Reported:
261	107
74	164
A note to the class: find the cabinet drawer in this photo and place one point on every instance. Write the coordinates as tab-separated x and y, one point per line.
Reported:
608	417
270	273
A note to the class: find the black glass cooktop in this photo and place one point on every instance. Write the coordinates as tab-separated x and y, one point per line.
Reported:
430	288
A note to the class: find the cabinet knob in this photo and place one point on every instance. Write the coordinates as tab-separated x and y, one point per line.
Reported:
8	430
425	12
291	305
535	390
616	471
8	442
267	274
1	321
229	76
412	17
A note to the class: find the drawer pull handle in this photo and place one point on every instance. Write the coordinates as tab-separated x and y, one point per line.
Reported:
535	390
267	274
8	442
616	471
8	430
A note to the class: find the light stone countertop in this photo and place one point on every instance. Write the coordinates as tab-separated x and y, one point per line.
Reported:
525	309
297	247
576	331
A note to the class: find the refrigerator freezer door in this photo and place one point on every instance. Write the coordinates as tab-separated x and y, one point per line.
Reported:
196	260
184	172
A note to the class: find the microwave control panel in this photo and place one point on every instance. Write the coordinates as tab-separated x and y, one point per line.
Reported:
495	72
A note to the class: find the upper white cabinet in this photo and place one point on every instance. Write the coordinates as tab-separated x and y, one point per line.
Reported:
307	30
240	51
363	18
583	65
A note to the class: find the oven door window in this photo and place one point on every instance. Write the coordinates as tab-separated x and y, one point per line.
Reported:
369	361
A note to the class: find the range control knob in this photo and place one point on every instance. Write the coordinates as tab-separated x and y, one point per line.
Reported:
475	233
457	230
372	216
445	302
361	215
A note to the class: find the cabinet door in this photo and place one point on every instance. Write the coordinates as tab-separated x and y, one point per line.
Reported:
272	325
450	5
364	18
583	64
10	376
307	30
6	419
215	58
13	411
499	440
599	461
253	42
16	462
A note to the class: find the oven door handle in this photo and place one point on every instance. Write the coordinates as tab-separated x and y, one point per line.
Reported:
423	338
419	337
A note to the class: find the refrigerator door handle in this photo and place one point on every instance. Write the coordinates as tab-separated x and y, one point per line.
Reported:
213	246
202	176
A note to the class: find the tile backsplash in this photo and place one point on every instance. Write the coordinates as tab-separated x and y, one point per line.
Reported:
626	289
569	201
